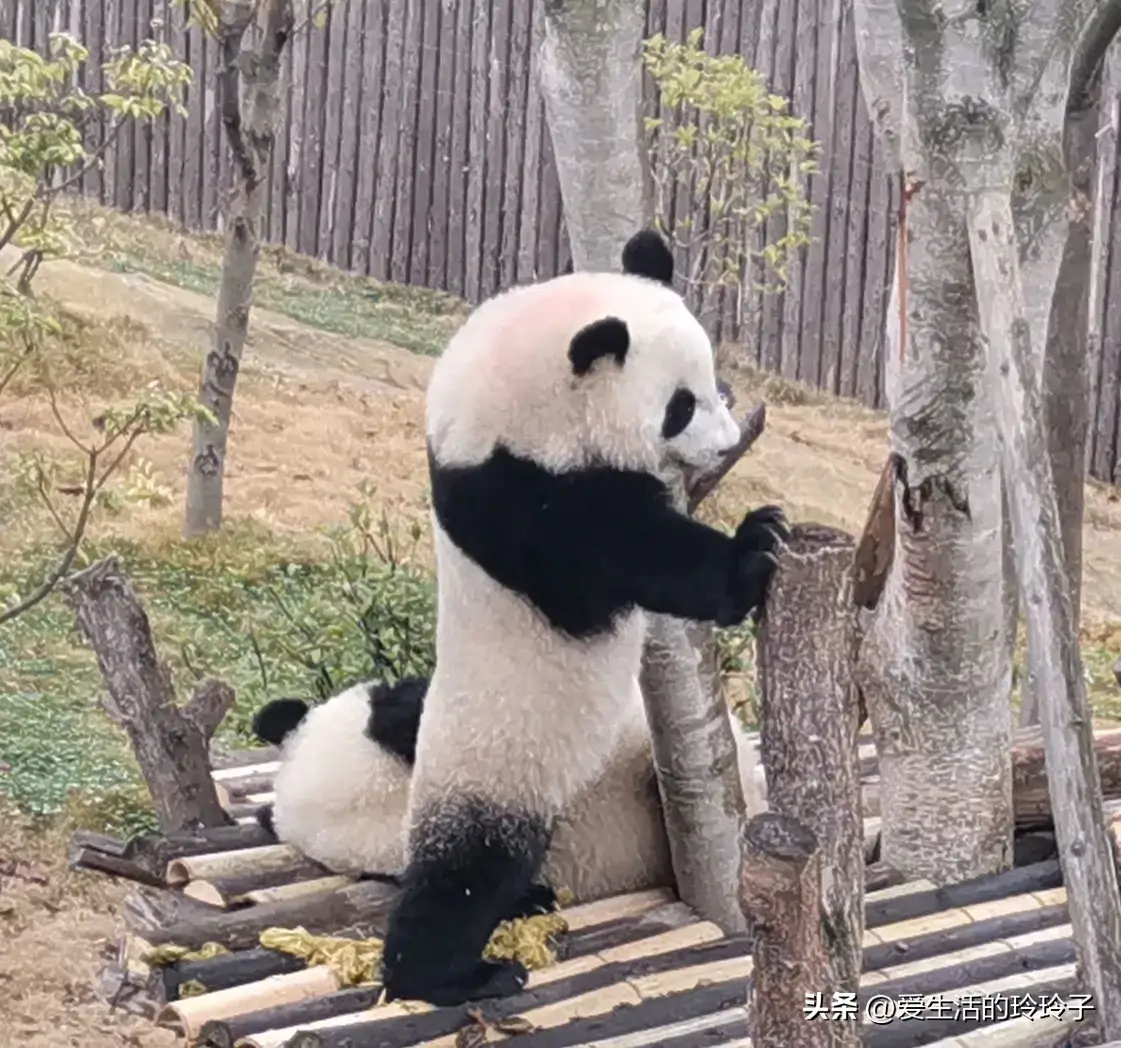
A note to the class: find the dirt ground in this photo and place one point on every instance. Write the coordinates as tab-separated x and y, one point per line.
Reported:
316	415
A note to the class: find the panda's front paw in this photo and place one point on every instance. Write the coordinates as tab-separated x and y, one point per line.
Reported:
756	545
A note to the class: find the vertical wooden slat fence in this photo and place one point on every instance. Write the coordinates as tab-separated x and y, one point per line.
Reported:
413	147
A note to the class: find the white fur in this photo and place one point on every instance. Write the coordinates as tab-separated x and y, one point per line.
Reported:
516	711
340	797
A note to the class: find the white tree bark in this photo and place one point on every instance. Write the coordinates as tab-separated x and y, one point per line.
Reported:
249	127
591	78
993	130
936	666
1053	653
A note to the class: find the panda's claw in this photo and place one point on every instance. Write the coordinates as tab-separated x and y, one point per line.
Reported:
540	898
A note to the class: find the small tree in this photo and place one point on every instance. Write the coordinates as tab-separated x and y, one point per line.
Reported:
52	132
28	365
738	156
248	88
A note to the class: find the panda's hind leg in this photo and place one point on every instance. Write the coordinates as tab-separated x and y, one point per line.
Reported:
472	866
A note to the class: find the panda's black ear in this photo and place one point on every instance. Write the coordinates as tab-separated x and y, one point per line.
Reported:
274	721
646	254
608	337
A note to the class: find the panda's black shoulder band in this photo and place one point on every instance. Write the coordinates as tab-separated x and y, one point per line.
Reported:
647	254
608	337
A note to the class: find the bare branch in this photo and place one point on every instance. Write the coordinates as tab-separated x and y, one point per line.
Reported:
63	566
229	89
751	429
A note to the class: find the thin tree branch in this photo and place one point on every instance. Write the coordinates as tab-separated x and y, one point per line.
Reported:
698	488
63	566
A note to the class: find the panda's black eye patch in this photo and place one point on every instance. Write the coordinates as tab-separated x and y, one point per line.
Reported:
679	413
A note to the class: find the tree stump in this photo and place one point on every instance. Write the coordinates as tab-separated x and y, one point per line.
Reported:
809	721
780	895
170	741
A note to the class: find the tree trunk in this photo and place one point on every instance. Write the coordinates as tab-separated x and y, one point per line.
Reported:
591	79
933	668
170	741
250	139
1053	653
695	758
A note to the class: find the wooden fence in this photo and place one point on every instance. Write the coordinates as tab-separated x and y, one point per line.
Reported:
414	148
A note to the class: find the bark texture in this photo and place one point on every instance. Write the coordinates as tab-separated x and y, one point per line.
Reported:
1054	660
249	129
780	892
591	79
933	668
170	741
809	726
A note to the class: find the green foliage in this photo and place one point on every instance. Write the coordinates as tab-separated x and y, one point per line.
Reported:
29	350
52	131
740	157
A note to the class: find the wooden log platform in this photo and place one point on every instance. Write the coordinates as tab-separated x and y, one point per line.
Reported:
986	964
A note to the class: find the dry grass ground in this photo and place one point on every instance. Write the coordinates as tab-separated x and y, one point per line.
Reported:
321	408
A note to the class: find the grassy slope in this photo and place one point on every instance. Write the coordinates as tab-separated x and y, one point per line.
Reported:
328	423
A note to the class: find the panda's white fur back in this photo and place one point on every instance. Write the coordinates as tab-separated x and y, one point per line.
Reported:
341	798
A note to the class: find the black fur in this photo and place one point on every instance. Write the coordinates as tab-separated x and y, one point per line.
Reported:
395	715
276	720
646	254
680	410
472	865
263	815
608	337
588	545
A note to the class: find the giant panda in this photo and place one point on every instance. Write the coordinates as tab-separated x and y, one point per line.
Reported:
554	418
342	790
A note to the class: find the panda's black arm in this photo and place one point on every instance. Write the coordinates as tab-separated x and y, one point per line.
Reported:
586	544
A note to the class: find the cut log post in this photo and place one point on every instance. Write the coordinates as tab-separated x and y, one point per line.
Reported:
809	719
170	741
366	903
780	894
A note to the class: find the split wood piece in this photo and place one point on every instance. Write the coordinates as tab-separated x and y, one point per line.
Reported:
963	935
554	1006
975	964
228	1032
188	1015
229	969
780	894
365	902
919	899
236	864
297	889
879	875
154	851
236	789
955	918
700	943
1027	1032
107	856
1030	790
810	717
234	762
900	1033
170	741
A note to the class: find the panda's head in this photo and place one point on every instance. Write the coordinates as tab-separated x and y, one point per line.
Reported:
583	369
